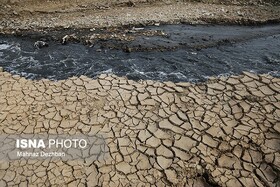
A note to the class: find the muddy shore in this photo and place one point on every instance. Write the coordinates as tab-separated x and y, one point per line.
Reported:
83	20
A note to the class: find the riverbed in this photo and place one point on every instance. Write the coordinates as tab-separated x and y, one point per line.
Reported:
182	53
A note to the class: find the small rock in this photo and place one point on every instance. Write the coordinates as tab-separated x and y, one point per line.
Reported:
1	69
137	29
67	38
127	49
157	24
239	13
15	12
40	44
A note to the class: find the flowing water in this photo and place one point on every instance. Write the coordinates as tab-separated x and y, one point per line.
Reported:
184	53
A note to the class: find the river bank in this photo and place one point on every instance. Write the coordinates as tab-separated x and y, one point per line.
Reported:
16	18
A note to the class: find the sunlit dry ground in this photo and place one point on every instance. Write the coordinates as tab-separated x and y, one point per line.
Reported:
223	132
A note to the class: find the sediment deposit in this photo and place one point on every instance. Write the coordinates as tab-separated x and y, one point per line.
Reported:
35	16
224	132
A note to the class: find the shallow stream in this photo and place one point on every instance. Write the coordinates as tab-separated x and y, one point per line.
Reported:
191	53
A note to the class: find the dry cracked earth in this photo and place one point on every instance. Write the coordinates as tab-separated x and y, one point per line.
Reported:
224	132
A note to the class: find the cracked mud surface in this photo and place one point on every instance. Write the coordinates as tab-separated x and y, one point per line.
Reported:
224	132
